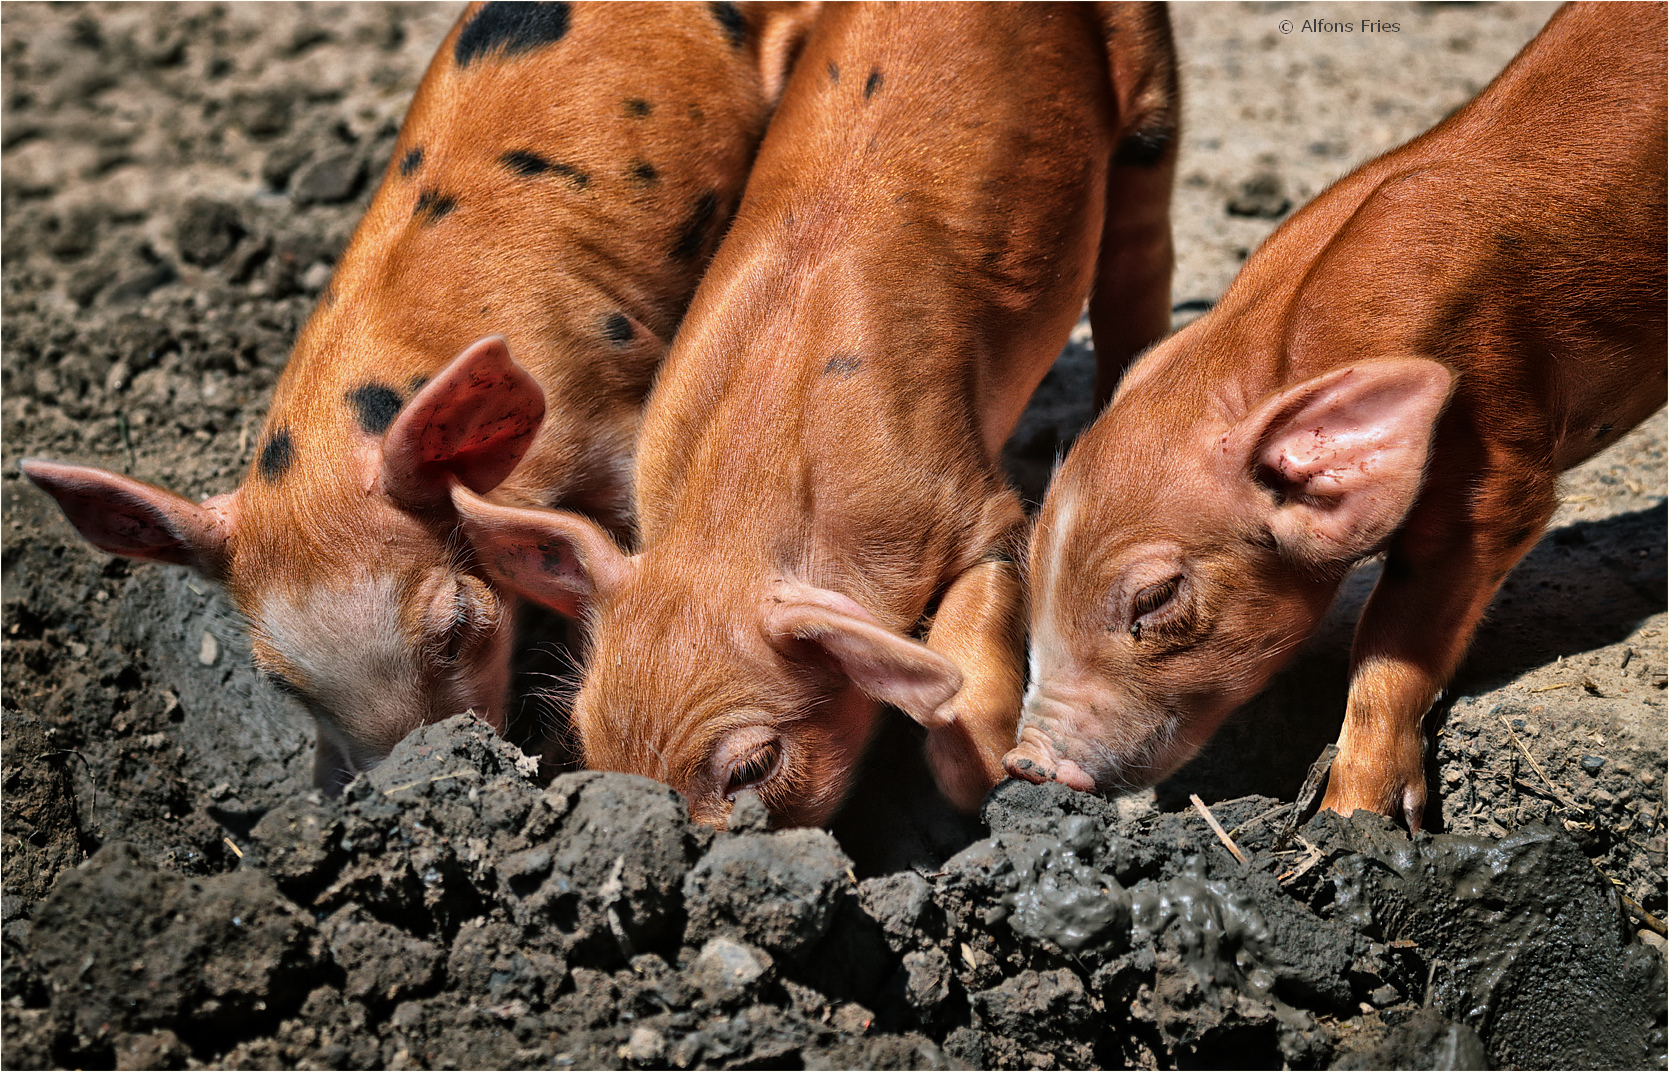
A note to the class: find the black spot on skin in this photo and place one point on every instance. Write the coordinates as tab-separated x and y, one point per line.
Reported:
638	108
375	406
1602	431
411	161
617	328
530	165
1143	148
872	83
510	26
418	383
834	73
643	171
843	365
276	457
694	232
525	163
731	20
433	206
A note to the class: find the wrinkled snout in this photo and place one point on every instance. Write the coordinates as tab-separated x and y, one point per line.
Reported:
1056	744
1093	741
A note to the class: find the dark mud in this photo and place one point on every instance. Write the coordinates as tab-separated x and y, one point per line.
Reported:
449	912
175	184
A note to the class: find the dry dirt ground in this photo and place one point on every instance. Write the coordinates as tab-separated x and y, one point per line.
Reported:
176	182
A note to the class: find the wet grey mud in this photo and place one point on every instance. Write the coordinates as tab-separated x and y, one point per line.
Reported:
176	183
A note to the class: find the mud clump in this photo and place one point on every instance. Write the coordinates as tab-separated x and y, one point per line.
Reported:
450	911
1525	926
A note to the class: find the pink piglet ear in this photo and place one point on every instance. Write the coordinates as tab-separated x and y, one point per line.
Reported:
472	423
123	516
1345	452
551	557
883	665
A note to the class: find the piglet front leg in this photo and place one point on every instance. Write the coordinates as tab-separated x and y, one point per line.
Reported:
980	626
1440	574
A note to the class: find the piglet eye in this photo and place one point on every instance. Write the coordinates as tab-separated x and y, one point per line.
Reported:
1150	599
753	768
473	613
1153	597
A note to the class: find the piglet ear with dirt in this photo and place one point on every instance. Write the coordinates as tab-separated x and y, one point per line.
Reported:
1345	454
123	516
884	666
472	424
552	557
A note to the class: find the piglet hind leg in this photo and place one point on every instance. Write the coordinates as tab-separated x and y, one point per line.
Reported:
1436	584
1130	308
980	627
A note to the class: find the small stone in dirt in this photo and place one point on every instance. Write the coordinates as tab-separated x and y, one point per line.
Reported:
727	969
646	1046
158	1049
283	162
84	283
329	180
1261	197
207	231
1592	764
209	651
264	114
75	234
142	283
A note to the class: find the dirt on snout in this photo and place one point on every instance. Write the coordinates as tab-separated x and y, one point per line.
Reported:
176	182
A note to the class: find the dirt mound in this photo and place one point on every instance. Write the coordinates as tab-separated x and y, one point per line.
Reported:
449	912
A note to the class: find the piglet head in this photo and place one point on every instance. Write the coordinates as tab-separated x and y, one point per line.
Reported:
703	678
1182	555
341	550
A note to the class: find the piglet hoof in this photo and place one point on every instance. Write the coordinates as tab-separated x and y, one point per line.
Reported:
1034	760
1402	799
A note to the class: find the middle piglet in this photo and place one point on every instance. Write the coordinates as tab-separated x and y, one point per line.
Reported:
818	481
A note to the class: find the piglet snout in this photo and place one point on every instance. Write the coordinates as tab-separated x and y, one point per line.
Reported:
1036	759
